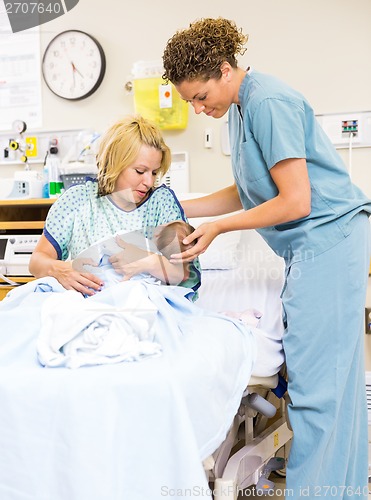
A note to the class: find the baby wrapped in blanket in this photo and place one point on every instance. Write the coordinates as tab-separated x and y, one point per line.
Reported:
164	240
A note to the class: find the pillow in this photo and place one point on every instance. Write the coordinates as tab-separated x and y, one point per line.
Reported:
222	252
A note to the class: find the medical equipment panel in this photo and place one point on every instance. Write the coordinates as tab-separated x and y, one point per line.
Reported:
345	129
35	145
177	177
24	185
15	253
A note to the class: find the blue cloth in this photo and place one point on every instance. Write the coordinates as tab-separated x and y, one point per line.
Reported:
134	430
327	258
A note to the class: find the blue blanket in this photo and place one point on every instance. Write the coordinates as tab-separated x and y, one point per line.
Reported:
134	430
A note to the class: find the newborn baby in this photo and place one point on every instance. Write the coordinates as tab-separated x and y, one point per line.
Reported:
166	240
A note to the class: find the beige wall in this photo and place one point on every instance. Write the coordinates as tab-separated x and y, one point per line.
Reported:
320	48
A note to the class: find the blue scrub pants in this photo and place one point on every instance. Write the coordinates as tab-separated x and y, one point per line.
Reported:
323	303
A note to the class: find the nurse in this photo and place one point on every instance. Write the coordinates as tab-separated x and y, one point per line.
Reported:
296	192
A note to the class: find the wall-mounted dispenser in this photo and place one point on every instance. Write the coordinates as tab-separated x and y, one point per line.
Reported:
156	100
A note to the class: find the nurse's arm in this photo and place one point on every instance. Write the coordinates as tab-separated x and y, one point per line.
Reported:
292	202
294	191
221	202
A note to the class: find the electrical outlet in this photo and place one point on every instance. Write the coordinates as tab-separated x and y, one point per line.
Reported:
368	320
346	128
208	138
31	146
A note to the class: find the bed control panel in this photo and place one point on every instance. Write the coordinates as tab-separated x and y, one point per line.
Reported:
15	253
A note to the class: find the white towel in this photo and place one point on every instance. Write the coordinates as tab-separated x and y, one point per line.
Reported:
76	331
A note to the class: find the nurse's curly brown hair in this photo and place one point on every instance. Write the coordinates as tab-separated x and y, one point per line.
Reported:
199	51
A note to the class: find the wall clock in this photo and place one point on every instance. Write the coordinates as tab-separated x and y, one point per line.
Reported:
73	65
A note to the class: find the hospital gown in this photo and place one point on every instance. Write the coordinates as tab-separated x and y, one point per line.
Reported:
80	218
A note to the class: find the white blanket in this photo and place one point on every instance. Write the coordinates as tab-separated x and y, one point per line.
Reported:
129	430
74	333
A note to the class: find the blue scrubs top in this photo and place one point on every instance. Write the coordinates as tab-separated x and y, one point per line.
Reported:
274	123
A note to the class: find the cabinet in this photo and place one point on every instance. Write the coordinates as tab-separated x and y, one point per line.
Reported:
5	288
22	217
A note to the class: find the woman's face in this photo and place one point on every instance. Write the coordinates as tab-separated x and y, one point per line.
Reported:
136	180
213	97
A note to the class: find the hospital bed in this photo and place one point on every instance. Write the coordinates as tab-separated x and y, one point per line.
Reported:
169	425
258	441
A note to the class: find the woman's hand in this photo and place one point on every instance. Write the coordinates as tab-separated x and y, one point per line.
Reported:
44	262
205	234
76	279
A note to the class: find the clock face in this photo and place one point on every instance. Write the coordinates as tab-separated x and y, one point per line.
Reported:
73	65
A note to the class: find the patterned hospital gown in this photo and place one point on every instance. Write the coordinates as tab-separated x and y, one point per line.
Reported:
80	218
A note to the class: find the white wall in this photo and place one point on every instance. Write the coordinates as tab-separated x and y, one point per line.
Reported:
320	48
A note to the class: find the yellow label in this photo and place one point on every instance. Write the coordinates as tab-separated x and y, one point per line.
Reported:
31	146
276	439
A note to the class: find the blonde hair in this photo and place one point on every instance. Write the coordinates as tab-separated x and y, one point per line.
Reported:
119	148
198	52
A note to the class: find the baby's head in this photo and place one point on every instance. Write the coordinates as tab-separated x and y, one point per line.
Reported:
169	237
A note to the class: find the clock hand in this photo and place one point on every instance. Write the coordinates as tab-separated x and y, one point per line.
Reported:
75	70
73	74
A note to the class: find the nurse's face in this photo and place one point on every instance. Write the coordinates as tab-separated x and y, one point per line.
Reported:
213	97
135	181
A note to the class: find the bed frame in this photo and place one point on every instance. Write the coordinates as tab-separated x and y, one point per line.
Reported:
256	445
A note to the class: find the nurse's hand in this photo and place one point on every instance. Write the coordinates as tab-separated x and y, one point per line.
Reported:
204	235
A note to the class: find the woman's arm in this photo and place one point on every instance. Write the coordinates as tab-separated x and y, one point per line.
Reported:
44	262
221	202
292	202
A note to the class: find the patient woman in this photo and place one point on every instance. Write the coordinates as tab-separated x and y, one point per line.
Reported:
132	154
